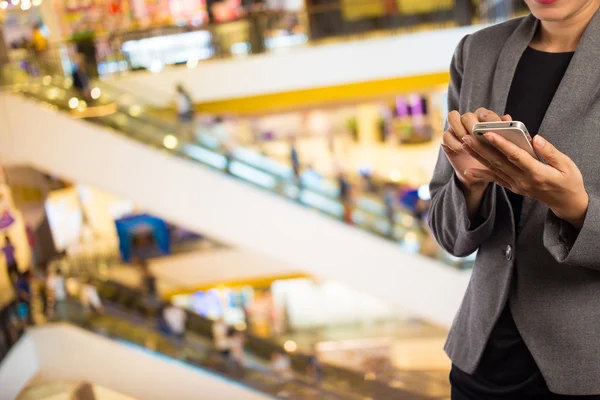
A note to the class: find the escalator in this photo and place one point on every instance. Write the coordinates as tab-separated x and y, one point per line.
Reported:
249	202
138	342
129	318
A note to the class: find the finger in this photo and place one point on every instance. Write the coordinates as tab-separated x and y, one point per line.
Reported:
507	118
469	120
516	155
550	154
456	124
488	176
508	176
485	115
451	142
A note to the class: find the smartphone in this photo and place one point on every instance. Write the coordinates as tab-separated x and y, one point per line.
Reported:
513	131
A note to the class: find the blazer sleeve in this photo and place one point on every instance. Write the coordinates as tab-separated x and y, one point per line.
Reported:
571	246
448	216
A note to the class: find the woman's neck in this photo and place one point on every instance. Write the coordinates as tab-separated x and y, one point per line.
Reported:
564	36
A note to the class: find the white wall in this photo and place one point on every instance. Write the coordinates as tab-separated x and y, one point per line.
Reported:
302	68
18	368
66	353
227	210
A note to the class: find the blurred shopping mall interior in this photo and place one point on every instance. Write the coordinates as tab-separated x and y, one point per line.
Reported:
226	199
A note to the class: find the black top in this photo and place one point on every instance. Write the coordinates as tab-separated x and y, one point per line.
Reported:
536	80
507	369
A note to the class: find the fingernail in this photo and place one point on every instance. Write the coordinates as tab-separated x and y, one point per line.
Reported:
541	142
489	136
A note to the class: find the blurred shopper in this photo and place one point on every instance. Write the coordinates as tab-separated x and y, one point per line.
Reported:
185	111
39	44
281	367
81	80
175	318
89	298
295	160
369	184
224	136
23	288
345	197
148	279
84	391
33	248
11	261
56	284
315	368
237	353
149	287
390	196
219	334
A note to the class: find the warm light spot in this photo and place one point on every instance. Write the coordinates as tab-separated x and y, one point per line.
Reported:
73	103
290	346
170	142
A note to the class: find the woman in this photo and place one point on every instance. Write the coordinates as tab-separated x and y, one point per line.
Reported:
11	260
528	326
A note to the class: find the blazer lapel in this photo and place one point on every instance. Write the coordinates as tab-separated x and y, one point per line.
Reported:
505	70
574	95
507	63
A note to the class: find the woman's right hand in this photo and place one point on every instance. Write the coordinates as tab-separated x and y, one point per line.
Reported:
460	126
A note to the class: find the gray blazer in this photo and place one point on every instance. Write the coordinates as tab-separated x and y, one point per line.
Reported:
551	272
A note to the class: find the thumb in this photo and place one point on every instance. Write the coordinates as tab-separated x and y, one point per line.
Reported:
549	153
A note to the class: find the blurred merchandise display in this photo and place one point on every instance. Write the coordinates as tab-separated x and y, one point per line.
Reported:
115	35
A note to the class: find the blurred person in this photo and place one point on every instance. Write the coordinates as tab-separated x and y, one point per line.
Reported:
89	298
175	318
43	292
185	111
39	43
281	367
39	48
81	80
527	325
9	256
314	369
227	142
390	196
58	290
23	289
237	354
83	391
367	177
295	159
220	339
33	248
149	288
345	197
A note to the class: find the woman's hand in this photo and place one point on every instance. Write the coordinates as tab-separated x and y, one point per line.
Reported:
558	184
460	127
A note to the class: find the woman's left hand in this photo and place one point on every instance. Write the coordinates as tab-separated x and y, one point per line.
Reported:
558	184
